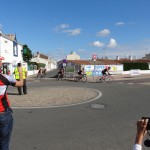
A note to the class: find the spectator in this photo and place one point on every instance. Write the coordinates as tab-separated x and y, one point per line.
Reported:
141	131
6	119
8	72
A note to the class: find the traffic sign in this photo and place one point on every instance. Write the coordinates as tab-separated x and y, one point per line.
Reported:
64	61
94	57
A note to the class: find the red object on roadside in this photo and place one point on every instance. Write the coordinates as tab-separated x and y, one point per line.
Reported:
94	57
2	58
8	72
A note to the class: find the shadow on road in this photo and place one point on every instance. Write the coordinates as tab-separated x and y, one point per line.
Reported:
12	93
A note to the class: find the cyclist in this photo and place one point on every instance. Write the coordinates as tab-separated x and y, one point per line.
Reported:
80	73
61	73
105	72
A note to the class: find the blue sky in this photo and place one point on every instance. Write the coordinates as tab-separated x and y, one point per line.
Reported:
101	27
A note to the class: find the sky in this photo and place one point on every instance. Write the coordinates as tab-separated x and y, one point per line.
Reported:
58	27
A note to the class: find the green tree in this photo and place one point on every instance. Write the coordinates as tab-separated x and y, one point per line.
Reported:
27	53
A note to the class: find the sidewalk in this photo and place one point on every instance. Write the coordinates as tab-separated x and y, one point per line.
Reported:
122	77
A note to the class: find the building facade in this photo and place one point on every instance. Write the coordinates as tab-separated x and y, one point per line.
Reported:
41	58
73	56
11	50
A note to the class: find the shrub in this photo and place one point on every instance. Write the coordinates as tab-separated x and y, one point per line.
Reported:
135	65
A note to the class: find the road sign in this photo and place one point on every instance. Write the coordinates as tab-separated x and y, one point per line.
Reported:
64	61
94	57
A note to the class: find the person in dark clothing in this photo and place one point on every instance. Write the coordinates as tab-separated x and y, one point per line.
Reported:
81	72
61	72
106	71
39	74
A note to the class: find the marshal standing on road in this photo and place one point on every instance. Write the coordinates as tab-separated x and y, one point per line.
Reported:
24	73
6	119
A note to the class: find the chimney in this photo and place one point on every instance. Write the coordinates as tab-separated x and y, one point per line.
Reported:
130	57
38	54
117	58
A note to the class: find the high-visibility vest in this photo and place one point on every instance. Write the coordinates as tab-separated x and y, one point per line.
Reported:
17	73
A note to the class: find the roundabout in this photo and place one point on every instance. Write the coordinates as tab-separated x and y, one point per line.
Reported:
58	96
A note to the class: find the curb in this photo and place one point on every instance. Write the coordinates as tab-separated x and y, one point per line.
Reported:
99	95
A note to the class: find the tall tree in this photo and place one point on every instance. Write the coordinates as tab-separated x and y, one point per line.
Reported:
27	53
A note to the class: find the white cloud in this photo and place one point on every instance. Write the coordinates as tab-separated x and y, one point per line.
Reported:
119	23
61	27
73	32
64	26
97	44
104	32
123	23
112	43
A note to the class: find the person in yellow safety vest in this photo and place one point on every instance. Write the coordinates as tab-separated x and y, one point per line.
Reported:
24	75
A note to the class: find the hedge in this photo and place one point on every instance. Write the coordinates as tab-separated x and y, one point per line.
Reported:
39	65
135	65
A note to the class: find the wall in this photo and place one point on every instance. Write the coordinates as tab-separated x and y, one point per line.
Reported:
141	72
95	70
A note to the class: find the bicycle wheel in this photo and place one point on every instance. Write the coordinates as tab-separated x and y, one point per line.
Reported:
99	79
109	79
58	77
84	79
62	77
76	79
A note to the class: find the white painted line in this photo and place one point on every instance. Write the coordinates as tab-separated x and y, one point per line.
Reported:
56	106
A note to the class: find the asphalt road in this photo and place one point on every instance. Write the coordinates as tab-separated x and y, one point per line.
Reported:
82	127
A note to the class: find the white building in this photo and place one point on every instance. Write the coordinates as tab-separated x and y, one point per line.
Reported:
73	56
11	50
49	63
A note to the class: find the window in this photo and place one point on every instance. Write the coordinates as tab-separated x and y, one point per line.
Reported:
15	48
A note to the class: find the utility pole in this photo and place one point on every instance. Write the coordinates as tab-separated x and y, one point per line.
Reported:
94	60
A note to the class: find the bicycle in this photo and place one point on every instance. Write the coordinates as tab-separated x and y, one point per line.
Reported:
83	78
105	78
60	77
